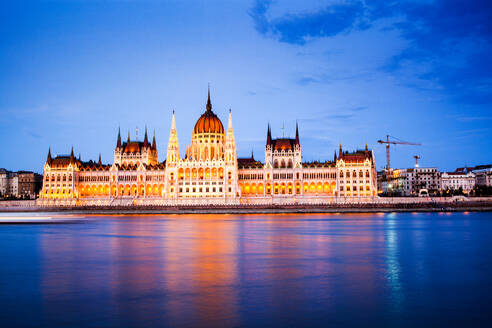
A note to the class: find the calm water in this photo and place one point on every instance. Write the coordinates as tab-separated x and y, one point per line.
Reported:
390	270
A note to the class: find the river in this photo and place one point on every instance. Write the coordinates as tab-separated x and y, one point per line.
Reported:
311	270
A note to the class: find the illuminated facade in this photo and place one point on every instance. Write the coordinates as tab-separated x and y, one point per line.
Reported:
209	173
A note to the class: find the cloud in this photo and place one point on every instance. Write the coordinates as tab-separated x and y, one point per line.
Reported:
473	118
344	115
334	76
299	28
450	41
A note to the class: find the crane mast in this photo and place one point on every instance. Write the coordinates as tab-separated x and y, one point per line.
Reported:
389	142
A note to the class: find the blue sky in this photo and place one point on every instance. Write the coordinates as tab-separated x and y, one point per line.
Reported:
71	72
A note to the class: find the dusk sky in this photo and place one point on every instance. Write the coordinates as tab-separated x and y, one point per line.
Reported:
349	72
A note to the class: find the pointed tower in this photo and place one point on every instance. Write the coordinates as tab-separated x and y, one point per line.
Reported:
268	146
173	145
340	152
230	142
99	162
146	138
269	135
72	157
297	149
297	134
230	157
335	156
209	103
154	146
118	141
49	159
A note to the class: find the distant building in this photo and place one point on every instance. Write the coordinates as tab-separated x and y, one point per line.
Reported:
395	185
458	180
4	174
483	175
23	184
409	182
12	185
29	184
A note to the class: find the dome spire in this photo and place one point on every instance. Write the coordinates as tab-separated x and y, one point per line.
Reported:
209	103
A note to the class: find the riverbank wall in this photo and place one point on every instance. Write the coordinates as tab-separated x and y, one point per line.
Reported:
375	205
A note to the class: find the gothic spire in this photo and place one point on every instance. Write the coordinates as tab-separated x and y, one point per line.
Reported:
297	134
71	154
173	122
335	156
366	150
269	135
340	153
229	123
153	142
209	103
118	141
146	139
99	162
128	136
48	159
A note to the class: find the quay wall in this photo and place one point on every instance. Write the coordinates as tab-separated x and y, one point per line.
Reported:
257	205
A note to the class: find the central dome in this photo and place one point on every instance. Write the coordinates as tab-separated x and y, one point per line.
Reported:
208	122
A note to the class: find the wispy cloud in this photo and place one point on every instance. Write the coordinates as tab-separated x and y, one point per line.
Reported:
450	41
300	28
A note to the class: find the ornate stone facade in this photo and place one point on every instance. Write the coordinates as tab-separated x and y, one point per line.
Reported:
210	173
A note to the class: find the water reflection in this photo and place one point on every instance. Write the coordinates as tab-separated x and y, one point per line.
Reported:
392	262
258	270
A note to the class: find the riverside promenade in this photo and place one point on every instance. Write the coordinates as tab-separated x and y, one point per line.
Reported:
377	204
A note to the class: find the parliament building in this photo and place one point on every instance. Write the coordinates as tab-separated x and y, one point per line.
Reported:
209	174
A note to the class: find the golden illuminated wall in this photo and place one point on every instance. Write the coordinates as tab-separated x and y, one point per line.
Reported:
58	183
